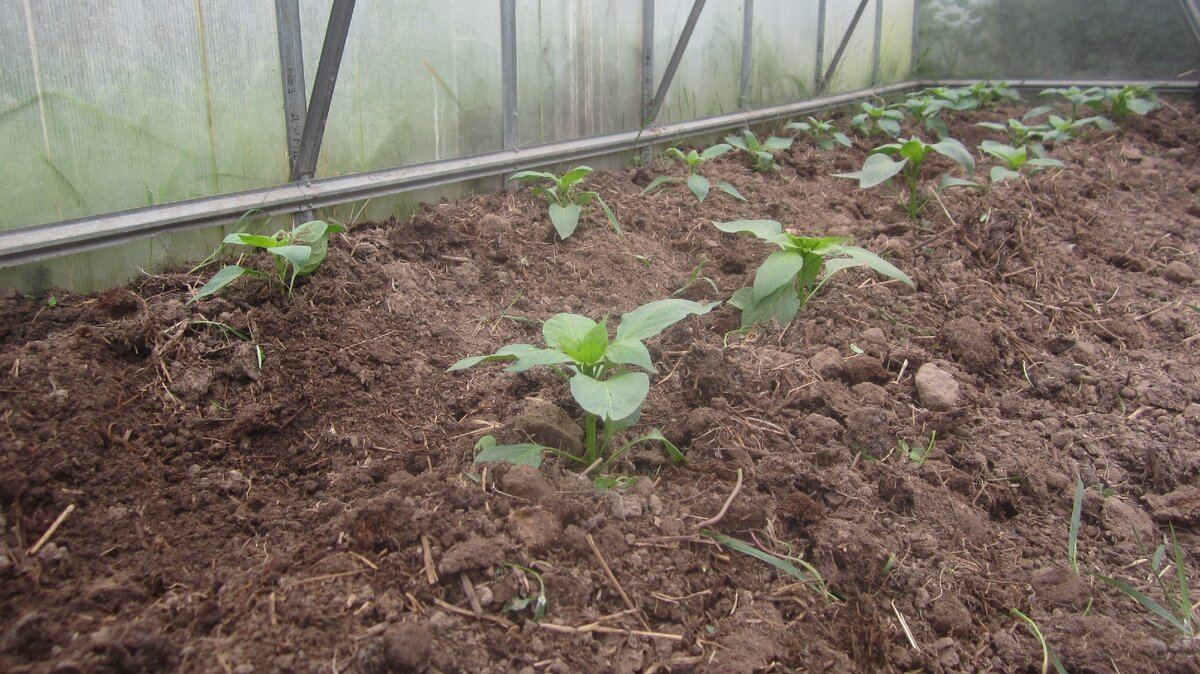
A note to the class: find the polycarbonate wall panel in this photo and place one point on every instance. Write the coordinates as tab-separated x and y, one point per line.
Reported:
854	70
709	77
1057	39
895	41
784	51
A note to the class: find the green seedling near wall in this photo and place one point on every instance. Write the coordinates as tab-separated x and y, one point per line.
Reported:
1092	98
698	184
1019	133
1180	612
297	252
958	99
565	199
789	277
761	159
1131	99
603	374
1059	130
824	133
876	119
925	111
910	156
993	92
1015	158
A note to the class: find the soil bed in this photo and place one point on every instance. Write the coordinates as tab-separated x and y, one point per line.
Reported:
322	513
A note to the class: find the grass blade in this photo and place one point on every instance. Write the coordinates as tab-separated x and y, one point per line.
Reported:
1073	535
1146	602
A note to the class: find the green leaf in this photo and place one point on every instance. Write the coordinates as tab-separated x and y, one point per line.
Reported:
1073	530
575	175
614	426
524	454
531	176
565	219
612	219
219	280
741	298
1034	113
843	139
308	232
258	241
593	346
767	230
297	256
651	319
745	548
716	151
613	398
890	126
730	190
948	181
565	331
1002	173
472	361
672	451
1146	602
737	142
777	270
659	182
698	184
630	352
876	169
953	149
782	305
776	143
876	263
529	356
799	126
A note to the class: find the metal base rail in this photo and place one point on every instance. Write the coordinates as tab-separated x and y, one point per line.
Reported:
40	242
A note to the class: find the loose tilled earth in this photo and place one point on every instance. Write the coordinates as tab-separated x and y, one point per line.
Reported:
322	513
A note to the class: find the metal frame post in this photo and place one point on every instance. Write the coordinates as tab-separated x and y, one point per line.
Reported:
877	50
747	54
647	67
820	64
916	46
322	94
837	55
508	71
673	64
291	63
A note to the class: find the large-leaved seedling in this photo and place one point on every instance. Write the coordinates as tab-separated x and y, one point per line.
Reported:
824	133
296	252
566	200
790	276
698	184
926	112
761	159
1059	130
607	377
905	159
1131	99
1019	133
877	119
1078	98
1015	158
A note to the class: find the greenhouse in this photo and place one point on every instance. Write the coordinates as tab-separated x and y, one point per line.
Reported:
600	336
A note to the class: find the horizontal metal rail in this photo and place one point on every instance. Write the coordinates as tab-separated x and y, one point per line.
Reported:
39	242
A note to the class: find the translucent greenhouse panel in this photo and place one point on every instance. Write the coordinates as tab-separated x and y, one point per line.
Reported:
1057	39
895	41
578	68
857	63
784	51
708	80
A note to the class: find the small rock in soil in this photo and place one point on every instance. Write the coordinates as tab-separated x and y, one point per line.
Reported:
473	553
936	388
1181	506
1060	587
192	383
950	617
970	343
1178	272
864	368
527	483
534	528
872	393
868	431
546	423
827	363
818	428
1127	522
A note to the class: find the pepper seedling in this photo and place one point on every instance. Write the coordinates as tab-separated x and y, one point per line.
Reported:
565	199
299	251
698	184
607	377
877	119
1014	159
789	277
761	159
910	156
824	133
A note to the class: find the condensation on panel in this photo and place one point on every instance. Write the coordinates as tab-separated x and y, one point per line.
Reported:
708	80
578	68
855	68
895	52
419	81
784	51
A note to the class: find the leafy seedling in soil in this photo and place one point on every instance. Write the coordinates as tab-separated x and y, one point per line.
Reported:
695	277
1073	530
1131	99
909	157
565	198
1059	130
1077	98
790	276
824	133
698	184
1020	134
958	99
537	603
1179	613
761	159
297	252
918	453
784	564
1048	656
926	113
603	374
877	119
1015	158
988	93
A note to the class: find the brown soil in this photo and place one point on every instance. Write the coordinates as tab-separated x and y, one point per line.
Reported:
322	513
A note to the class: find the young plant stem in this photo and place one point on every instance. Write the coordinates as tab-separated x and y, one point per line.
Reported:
591	439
